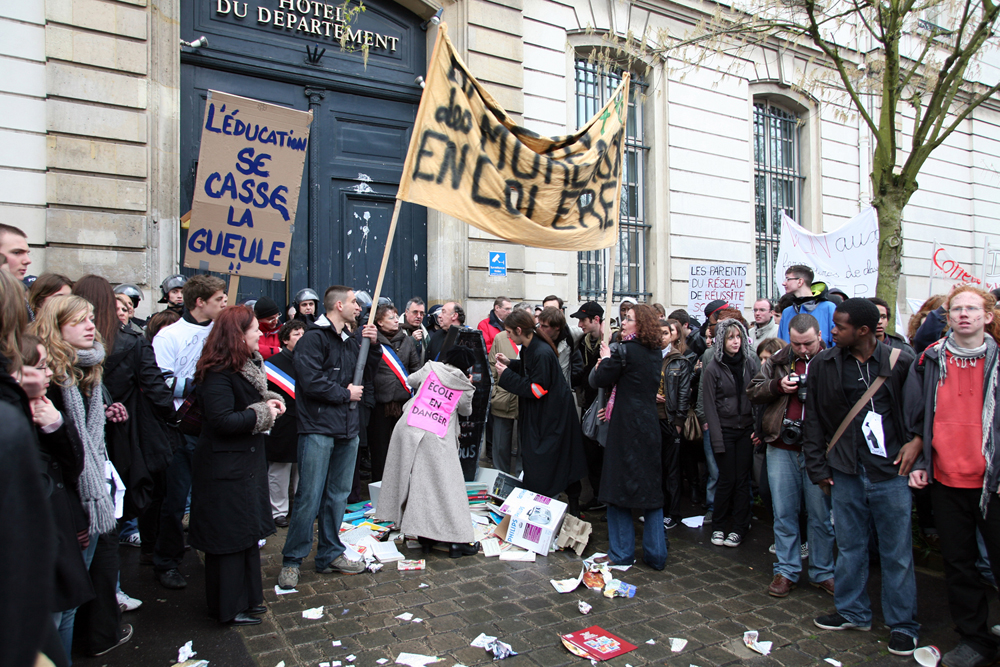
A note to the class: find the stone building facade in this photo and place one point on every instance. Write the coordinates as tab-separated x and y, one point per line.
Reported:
100	105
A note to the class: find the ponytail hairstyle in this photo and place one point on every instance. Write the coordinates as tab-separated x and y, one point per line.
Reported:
523	320
989	306
58	312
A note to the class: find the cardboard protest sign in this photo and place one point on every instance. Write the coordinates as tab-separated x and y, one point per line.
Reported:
943	264
846	258
468	159
247	187
709	282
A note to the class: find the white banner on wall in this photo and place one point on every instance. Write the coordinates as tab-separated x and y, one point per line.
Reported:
711	282
991	265
846	258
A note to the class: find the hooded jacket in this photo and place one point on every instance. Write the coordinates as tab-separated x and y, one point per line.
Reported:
919	397
816	305
324	367
727	405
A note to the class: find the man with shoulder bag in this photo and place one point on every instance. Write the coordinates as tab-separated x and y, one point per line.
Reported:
780	388
854	450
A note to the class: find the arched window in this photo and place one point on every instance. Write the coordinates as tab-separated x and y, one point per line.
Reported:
778	181
594	86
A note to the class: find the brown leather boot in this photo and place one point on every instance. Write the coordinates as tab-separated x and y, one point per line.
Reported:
780	587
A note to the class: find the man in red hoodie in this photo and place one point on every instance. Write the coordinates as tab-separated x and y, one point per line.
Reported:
950	404
269	320
493	324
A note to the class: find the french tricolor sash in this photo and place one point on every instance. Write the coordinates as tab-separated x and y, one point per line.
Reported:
396	366
280	378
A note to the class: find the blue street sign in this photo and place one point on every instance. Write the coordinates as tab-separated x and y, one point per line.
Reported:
498	263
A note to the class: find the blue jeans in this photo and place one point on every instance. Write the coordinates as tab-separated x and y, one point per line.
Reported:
621	535
787	477
169	551
326	474
856	502
712	468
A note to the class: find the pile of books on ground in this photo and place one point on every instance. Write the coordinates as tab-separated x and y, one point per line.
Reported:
479	496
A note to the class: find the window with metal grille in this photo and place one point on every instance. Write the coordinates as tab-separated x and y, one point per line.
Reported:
594	86
777	186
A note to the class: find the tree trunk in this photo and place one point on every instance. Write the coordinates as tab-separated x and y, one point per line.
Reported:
889	206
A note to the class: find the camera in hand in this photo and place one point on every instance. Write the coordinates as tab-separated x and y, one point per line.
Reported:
800	383
791	431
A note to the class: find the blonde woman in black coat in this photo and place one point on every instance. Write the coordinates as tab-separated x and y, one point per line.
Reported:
230	504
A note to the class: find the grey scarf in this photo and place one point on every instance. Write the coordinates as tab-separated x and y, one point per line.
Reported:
89	423
253	373
989	353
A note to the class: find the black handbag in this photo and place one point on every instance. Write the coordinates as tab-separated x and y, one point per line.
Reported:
593	427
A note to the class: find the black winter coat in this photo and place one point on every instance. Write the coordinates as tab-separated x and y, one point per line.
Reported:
549	429
62	460
726	404
282	444
676	371
324	366
827	402
388	388
230	505
632	472
144	444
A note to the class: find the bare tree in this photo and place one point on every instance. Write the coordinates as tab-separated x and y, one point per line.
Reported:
912	62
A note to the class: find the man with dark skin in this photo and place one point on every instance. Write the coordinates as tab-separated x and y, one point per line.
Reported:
865	471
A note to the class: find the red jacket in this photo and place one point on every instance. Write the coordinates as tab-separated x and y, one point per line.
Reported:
269	344
489	330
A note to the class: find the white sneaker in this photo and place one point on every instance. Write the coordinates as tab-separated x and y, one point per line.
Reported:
132	540
995	630
128	603
718	537
771	549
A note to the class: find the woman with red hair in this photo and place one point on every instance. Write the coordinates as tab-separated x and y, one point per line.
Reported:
230	505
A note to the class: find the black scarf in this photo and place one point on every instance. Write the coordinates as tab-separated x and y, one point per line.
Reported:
735	365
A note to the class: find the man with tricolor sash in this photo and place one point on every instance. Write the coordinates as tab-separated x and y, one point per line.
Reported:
399	359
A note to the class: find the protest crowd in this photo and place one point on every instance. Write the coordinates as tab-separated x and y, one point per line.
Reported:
211	424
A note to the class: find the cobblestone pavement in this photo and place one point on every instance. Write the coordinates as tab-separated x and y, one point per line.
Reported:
707	595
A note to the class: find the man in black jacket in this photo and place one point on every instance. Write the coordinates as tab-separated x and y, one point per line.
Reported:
324	361
591	317
865	471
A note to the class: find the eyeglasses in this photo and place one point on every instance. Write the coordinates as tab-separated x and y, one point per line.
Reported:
958	310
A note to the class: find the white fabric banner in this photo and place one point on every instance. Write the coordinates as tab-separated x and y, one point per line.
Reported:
846	258
991	265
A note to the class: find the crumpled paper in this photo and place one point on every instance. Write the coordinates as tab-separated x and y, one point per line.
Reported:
186	652
315	613
584	607
750	639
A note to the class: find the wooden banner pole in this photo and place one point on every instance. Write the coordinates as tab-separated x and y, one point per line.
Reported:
234	288
609	297
359	368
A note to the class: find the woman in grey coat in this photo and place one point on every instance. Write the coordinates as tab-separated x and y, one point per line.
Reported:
730	423
423	489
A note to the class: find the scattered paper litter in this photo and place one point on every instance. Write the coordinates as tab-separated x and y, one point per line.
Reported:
405	616
567	585
418	620
677	645
518	555
335	663
415	659
835	663
336	643
424	586
694	521
184	653
278	590
382	661
314	613
344	612
324	664
491	547
351	658
650	641
280	664
261	543
750	639
482	640
584	607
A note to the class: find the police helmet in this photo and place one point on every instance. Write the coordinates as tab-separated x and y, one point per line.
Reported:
171	283
131	291
307	294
